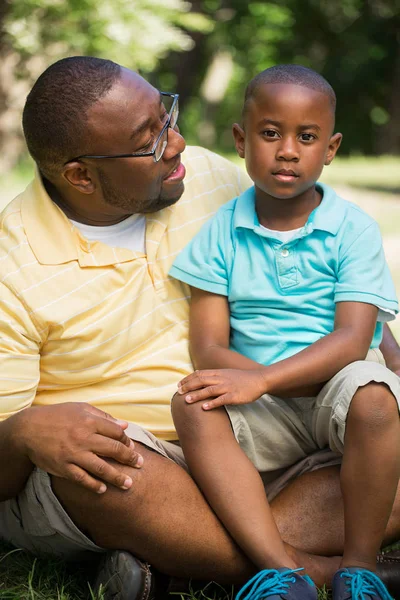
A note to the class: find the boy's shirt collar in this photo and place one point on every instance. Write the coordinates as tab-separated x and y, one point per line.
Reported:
328	216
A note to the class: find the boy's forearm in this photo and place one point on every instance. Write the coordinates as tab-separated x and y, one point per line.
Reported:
218	357
312	367
15	466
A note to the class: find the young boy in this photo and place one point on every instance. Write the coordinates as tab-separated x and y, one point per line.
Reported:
289	293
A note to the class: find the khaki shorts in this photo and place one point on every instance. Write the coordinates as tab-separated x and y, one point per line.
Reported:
275	433
37	522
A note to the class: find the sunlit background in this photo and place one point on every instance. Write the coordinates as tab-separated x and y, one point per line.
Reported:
207	50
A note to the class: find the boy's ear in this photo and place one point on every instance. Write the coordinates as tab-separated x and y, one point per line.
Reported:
333	147
238	135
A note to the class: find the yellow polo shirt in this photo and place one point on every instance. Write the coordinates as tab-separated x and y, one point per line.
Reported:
85	322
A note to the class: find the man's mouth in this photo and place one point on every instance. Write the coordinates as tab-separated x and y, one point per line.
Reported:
177	174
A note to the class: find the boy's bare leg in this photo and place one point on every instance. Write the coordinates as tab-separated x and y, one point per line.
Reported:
370	472
230	482
165	520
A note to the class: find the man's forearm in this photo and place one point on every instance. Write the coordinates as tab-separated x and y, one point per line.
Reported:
390	349
15	466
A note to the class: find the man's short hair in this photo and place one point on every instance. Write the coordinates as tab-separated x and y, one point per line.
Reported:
55	114
295	74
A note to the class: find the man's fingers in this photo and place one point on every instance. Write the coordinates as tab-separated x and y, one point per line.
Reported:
109	448
100	468
111	429
81	477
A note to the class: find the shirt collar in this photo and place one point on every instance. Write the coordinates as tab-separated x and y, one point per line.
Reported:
53	238
328	216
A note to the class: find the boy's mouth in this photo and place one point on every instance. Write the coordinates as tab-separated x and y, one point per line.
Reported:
285	175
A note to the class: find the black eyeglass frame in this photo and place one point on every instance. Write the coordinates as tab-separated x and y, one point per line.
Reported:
166	126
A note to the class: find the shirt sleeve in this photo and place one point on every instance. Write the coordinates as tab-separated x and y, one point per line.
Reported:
363	274
19	355
202	263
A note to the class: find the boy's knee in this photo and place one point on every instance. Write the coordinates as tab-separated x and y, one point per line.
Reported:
374	406
186	415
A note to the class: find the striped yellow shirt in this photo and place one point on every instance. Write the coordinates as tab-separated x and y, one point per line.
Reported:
85	322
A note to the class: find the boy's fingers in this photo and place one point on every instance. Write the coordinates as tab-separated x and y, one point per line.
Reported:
197	380
207	392
217	402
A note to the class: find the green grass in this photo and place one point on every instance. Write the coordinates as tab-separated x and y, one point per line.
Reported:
372	183
24	577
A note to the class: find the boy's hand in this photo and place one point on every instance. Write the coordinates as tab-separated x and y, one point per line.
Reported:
224	386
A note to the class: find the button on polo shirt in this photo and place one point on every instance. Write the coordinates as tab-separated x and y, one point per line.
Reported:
282	296
84	321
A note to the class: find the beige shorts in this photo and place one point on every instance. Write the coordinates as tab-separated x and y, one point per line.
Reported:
37	522
276	433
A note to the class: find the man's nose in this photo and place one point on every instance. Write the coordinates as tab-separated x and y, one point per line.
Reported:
176	143
288	149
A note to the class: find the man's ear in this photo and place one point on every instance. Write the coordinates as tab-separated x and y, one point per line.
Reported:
333	147
79	176
238	134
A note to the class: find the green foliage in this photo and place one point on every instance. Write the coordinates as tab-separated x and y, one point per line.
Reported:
353	43
176	43
135	33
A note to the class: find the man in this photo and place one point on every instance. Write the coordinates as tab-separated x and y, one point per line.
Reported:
94	340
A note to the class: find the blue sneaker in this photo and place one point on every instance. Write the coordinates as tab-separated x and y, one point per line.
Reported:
278	583
358	584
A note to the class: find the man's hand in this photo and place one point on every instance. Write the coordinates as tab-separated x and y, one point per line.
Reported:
225	386
72	440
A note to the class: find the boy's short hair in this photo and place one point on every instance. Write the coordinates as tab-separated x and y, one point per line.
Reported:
295	74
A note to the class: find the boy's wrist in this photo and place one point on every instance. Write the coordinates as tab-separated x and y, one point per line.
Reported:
265	373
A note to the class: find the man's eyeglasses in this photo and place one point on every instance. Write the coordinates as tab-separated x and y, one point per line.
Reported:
159	145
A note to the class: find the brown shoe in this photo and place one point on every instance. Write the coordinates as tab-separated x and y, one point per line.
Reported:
388	569
121	576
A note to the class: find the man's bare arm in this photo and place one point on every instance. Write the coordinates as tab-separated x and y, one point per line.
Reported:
69	440
15	466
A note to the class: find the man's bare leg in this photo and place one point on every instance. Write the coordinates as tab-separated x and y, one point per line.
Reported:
309	513
165	520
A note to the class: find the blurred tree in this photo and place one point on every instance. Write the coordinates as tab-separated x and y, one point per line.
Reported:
36	33
209	49
355	44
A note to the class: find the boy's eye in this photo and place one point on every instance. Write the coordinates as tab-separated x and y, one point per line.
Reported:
307	137
270	133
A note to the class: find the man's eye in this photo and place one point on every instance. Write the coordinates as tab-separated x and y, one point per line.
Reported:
307	137
145	147
270	133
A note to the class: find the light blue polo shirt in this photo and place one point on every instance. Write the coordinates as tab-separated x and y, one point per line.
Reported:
282	296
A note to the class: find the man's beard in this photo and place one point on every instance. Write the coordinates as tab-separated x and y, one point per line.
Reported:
114	197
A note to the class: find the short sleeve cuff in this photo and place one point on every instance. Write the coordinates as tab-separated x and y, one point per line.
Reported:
391	306
197	282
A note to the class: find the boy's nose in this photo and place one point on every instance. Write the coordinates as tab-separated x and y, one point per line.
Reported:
288	150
